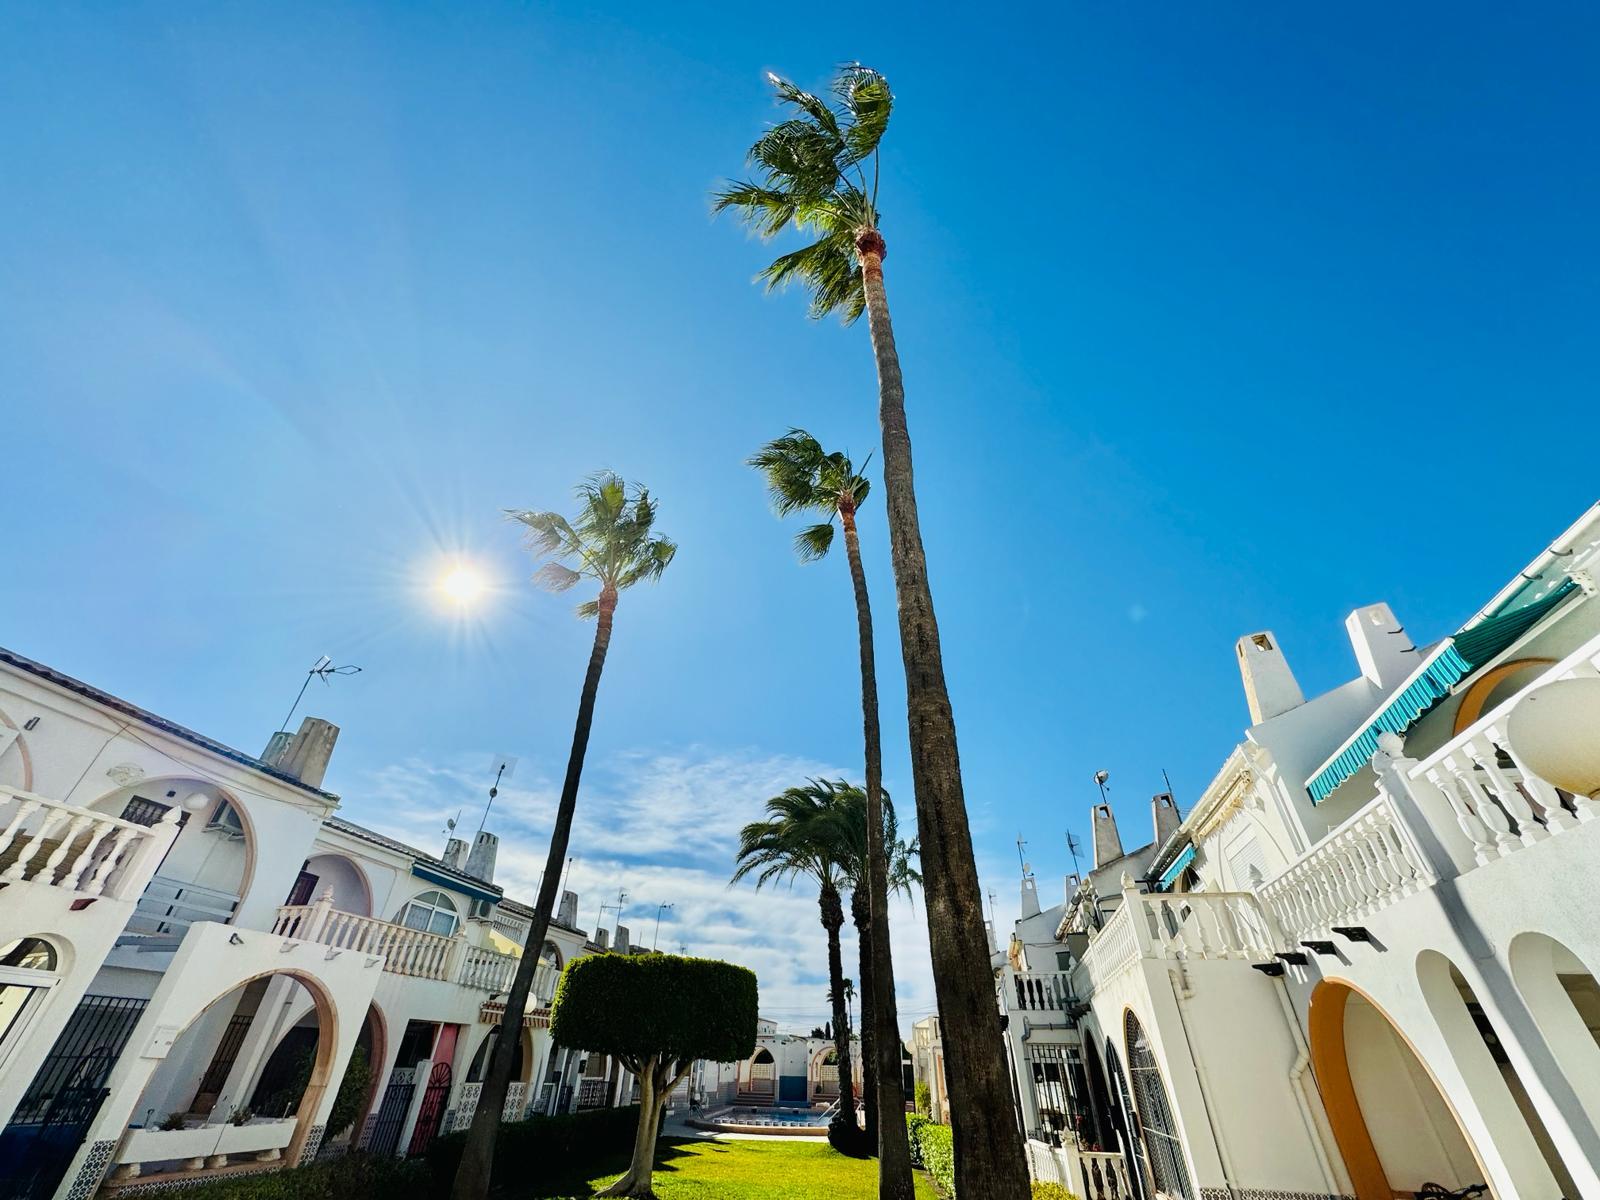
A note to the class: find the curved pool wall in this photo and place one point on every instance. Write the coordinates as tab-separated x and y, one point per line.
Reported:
769	1122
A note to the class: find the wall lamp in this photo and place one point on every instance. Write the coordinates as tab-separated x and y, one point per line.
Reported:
235	940
1274	969
1293	957
1321	947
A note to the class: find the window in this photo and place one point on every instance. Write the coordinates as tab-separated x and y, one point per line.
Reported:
143	812
432	911
26	970
1155	1114
1054	1070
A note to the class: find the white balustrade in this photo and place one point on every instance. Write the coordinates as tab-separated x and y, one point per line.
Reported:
516	1094
1110	951
1478	785
1362	866
65	846
1039	991
405	951
487	969
1205	925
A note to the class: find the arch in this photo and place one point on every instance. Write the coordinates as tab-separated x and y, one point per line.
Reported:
762	1055
1389	1077
521	1059
29	968
552	954
1477	1050
344	876
1101	1135
430	910
1475	699
192	859
1125	1122
20	744
1158	1126
1563	995
376	1030
322	1062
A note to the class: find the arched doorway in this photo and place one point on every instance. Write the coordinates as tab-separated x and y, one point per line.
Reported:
1097	1133
1159	1127
1126	1122
1394	1128
1522	1142
763	1074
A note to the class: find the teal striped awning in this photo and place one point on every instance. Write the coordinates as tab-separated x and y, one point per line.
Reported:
1455	659
455	882
1170	875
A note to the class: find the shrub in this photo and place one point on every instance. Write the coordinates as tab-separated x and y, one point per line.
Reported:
354	1175
914	1123
923	1102
938	1156
525	1150
352	1093
1045	1190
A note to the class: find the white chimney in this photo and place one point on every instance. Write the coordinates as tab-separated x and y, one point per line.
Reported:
1107	844
1164	810
1269	686
455	854
567	914
480	863
1383	648
1030	896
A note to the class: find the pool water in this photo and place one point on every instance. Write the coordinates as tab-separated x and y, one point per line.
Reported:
770	1116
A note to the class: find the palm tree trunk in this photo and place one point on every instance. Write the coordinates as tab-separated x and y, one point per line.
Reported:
833	921
880	1019
861	918
989	1160
477	1159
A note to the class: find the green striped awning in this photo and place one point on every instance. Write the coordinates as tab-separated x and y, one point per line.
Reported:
1455	659
1170	875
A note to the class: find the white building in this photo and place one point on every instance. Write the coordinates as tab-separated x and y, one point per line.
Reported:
193	946
1367	959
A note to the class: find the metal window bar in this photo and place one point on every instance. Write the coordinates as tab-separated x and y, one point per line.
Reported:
95	1033
1050	1070
1155	1116
227	1053
143	812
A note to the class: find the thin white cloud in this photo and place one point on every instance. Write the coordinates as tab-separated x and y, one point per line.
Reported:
663	827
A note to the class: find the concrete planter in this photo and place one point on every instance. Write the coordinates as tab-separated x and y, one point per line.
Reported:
161	1145
257	1136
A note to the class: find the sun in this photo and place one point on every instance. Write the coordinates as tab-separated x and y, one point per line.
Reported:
462	584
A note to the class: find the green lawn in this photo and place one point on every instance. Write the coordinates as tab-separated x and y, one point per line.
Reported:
731	1170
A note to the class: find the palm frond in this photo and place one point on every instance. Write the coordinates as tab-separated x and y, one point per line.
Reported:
865	95
768	211
814	542
555	577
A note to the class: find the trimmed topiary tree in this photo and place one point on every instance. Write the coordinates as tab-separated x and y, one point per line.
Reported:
656	1014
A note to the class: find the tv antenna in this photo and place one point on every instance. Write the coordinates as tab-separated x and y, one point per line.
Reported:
505	766
1021	845
1100	778
1074	846
321	669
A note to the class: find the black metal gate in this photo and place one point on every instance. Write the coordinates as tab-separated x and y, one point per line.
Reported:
65	1095
385	1139
431	1112
226	1055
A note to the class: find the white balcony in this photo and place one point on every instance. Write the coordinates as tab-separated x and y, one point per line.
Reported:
407	951
1188	926
1039	991
46	842
1468	804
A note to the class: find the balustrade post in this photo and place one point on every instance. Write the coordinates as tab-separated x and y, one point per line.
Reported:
319	916
1138	917
455	957
1411	822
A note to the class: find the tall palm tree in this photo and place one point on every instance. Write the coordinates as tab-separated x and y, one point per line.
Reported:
804	837
803	478
811	172
611	542
878	1033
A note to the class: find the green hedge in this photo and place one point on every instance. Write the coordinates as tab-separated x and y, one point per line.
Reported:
526	1149
914	1122
938	1156
1052	1191
346	1178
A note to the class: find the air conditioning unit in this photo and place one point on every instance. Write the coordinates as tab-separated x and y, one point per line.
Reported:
226	820
483	910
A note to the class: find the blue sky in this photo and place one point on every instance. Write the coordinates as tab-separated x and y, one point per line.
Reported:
1213	319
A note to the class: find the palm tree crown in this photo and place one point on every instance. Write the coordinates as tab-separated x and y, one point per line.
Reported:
610	541
804	478
804	835
899	857
811	175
